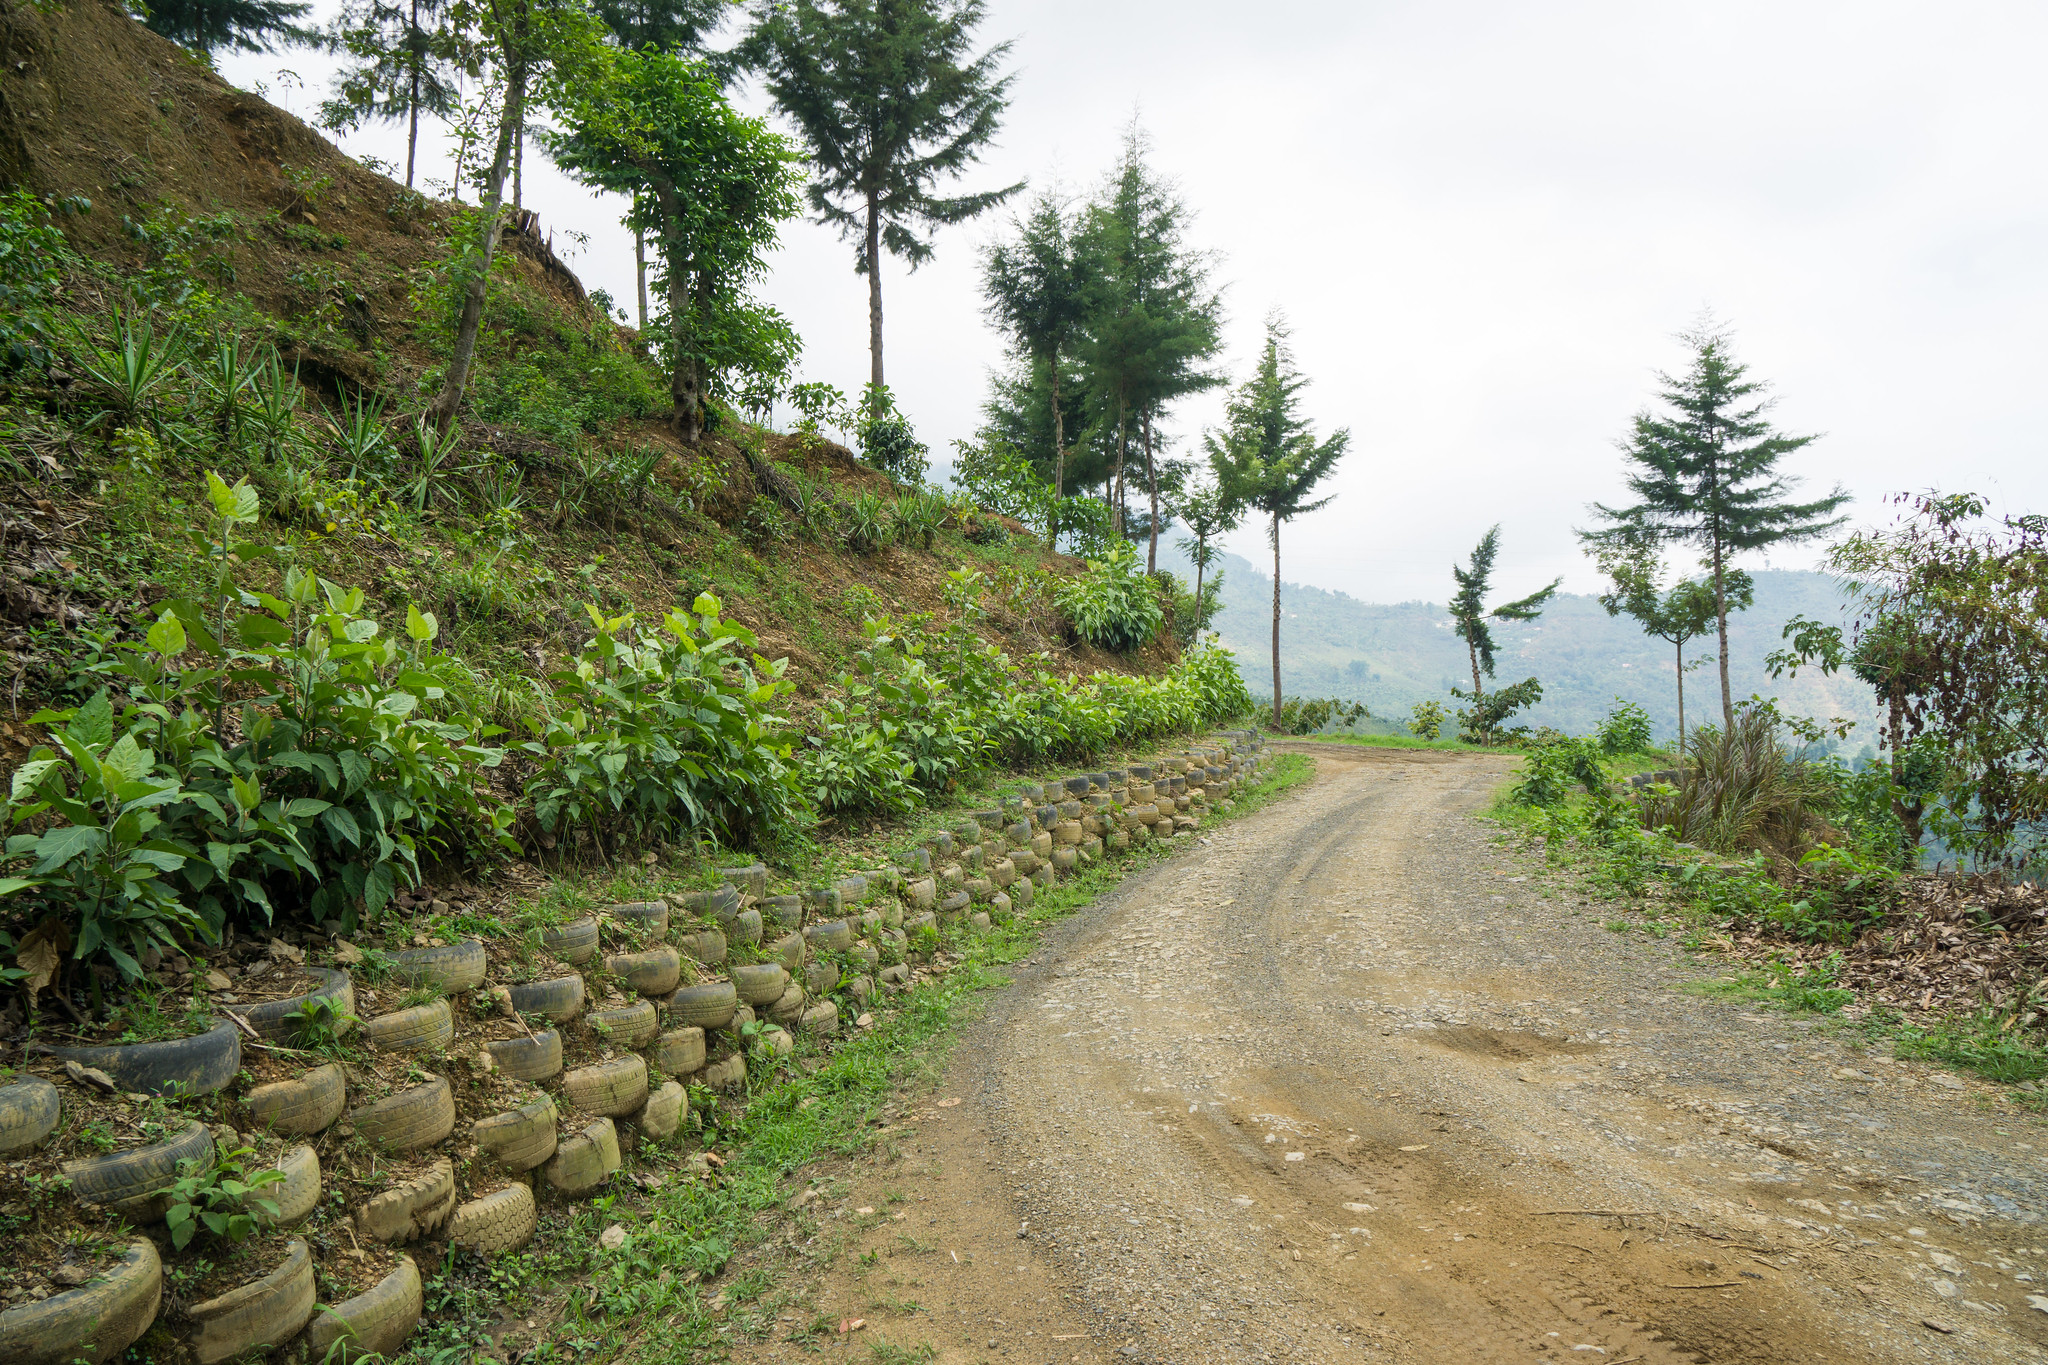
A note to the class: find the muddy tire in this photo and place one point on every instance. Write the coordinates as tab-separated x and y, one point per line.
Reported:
122	1181
833	936
760	983
528	1059
785	912
922	893
503	1221
265	1312
746	927
29	1109
678	1052
788	950
820	977
611	1089
583	1161
201	1064
648	917
822	1017
423	1028
708	1006
456	967
955	904
410	1209
751	879
277	1020
574	942
655	972
298	1108
663	1112
296	1196
705	945
409	1120
559	999
95	1323
519	1139
729	1074
629	1026
719	903
790	1006
375	1322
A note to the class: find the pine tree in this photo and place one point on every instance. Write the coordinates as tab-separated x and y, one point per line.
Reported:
891	102
1471	615
1680	613
1035	291
1267	458
1209	514
206	26
1706	475
406	62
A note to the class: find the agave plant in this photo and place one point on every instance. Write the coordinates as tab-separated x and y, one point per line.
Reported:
359	431
867	523
919	516
138	364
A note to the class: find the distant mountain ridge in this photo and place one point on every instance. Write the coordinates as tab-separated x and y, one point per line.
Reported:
1391	656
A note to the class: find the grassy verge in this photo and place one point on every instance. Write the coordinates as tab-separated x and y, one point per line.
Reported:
672	1291
1398	742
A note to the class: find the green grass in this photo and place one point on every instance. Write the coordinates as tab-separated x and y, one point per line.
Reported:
1981	1042
1779	986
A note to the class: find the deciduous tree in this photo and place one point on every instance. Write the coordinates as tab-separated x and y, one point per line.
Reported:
1680	613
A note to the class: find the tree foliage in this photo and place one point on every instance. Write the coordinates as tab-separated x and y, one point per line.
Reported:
210	26
406	59
1682	612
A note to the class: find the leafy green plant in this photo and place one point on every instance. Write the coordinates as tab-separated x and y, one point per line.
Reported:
138	364
1313	715
919	516
33	258
1625	730
886	439
359	430
1113	605
436	464
220	1197
1426	720
867	524
1551	771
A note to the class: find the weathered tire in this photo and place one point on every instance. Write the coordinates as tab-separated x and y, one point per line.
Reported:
629	1026
656	971
423	1028
497	1223
574	942
649	917
786	1009
265	1312
922	893
456	967
914	923
122	1181
746	926
979	922
979	889
704	945
296	1196
720	902
300	1107
707	1006
273	1019
95	1322
611	1089
29	1109
822	1017
787	912
954	904
1065	859
678	1052
583	1161
410	1209
528	1059
519	1139
788	950
409	1120
663	1112
853	889
752	879
760	983
375	1322
820	977
833	936
559	999
822	901
200	1064
729	1074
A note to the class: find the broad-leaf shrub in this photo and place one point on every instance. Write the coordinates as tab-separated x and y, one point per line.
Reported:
660	731
1113	605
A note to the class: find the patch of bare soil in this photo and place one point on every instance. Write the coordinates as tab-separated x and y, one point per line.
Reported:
1351	1083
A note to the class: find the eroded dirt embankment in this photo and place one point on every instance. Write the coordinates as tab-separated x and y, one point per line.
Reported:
1350	1082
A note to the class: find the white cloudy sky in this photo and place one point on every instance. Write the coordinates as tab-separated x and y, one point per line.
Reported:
1486	221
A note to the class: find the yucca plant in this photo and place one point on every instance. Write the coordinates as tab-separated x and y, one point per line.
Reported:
359	431
867	524
1742	793
227	376
436	467
919	517
137	366
278	396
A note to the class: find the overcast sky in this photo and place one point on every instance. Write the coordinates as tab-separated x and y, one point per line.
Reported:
1486	222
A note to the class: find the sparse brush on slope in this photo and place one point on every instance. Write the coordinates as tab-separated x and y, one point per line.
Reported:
1742	793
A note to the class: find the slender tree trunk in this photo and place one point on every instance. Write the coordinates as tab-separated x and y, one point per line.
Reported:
1152	491
1276	621
640	271
519	165
444	408
1909	809
1059	457
1681	696
1721	627
1201	563
1116	505
412	107
873	248
1478	696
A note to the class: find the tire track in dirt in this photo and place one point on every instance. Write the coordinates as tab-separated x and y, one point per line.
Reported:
1342	1084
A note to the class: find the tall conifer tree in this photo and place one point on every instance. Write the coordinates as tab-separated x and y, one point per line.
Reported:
405	63
207	26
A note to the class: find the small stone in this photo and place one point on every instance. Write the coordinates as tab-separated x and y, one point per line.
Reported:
865	1021
346	954
1934	1326
215	980
612	1238
70	1275
92	1076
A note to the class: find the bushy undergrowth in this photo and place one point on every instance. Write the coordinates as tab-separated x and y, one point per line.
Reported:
1113	605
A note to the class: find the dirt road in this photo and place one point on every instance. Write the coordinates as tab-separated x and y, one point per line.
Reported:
1348	1081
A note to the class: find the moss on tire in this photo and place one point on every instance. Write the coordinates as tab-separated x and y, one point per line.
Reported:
96	1322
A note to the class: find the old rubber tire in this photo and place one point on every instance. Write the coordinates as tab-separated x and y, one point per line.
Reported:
752	879
663	1112
786	1009
678	1052
306	1105
820	977
29	1109
760	983
574	942
296	1196
528	1059
656	971
647	917
704	945
785	912
707	1006
833	936
519	1139
559	998
273	1019
95	1322
954	904
720	902
788	950
409	1120
122	1181
729	1074
199	1065
822	1017
410	1209
629	1026
584	1160
497	1223
746	927
456	967
375	1322
610	1090
265	1312
423	1028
